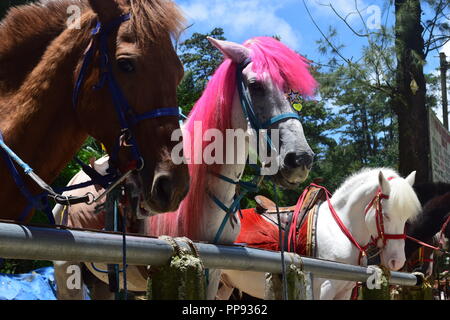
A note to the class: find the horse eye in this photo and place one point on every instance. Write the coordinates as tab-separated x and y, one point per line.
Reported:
125	65
256	87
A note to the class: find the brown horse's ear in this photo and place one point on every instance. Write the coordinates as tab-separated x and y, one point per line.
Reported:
107	10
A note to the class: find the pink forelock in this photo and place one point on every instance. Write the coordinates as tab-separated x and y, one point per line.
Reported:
288	70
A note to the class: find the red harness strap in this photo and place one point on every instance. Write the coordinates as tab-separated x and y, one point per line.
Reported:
376	202
292	235
424	244
344	229
444	226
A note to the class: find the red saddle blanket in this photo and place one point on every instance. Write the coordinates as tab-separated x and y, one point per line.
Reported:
258	232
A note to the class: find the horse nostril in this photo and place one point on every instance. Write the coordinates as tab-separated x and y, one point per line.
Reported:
392	264
298	159
395	264
163	190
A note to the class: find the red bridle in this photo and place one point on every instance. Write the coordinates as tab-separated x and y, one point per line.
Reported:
376	202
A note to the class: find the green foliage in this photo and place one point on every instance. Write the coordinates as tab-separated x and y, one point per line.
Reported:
367	127
14	266
188	92
433	85
201	57
90	149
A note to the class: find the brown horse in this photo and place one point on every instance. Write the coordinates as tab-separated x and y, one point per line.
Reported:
40	60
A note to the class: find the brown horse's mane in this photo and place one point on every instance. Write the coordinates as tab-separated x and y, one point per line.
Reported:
152	18
27	31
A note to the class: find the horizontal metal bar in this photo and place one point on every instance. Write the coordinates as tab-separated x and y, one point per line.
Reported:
39	243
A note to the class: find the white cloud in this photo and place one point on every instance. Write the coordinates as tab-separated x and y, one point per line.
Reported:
343	7
240	18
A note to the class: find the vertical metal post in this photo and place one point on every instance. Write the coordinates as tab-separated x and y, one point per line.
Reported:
309	286
444	66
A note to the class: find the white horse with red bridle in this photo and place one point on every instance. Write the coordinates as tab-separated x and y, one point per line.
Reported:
370	207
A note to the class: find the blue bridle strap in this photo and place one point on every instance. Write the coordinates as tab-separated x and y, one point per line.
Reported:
244	95
248	186
247	105
235	206
33	201
163	112
279	118
126	116
229	211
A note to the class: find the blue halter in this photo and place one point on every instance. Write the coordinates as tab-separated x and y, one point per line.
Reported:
127	117
247	105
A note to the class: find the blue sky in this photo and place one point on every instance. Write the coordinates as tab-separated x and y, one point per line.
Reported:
243	19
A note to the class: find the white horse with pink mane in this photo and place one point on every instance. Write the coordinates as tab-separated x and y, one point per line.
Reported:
247	91
371	206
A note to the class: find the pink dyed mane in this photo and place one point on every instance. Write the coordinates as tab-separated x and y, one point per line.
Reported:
287	69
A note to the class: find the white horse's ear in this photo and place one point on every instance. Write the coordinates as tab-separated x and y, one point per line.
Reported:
384	184
411	178
236	52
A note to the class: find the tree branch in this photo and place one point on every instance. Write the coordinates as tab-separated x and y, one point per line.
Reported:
325	37
346	22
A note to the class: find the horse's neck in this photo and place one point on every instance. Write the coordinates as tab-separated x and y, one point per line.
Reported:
38	122
224	191
430	221
351	209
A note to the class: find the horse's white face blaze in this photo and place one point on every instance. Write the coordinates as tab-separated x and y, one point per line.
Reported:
393	254
295	157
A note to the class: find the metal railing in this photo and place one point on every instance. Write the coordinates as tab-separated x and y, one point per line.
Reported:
41	243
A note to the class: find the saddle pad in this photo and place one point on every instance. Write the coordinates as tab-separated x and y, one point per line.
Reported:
257	232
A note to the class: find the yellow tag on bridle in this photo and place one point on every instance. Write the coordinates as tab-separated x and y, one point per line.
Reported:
295	100
297	106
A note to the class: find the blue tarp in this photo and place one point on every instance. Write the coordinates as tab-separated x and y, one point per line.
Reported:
37	285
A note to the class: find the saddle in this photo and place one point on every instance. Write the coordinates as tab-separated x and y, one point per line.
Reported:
265	205
258	232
